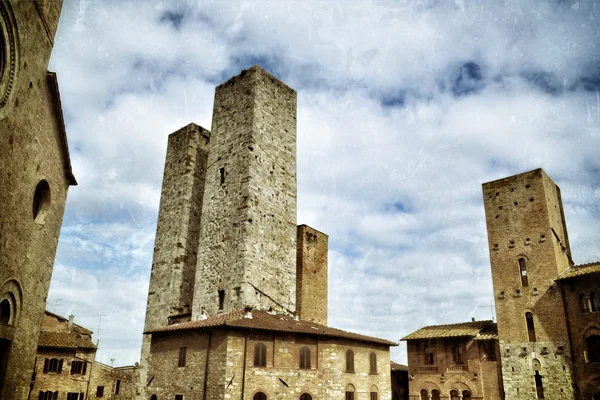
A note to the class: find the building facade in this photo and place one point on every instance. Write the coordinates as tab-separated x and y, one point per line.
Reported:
36	175
227	241
456	361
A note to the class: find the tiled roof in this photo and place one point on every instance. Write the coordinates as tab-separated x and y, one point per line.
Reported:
579	270
75	328
480	330
270	322
65	339
398	367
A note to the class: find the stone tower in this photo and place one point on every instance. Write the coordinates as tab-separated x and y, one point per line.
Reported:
35	175
529	248
311	275
247	249
177	232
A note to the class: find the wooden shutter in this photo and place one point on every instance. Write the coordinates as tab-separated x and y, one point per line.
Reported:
60	365
45	365
84	367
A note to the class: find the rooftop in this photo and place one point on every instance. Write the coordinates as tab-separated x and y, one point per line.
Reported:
479	330
580	270
72	340
269	322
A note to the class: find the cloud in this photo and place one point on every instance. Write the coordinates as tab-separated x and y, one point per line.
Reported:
404	109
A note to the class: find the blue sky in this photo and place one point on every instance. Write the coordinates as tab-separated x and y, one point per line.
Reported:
404	109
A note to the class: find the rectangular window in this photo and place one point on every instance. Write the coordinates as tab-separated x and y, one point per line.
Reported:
118	382
182	355
222	174
373	395
73	396
349	395
178	397
77	367
100	391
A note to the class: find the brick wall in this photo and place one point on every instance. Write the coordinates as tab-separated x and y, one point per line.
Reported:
62	382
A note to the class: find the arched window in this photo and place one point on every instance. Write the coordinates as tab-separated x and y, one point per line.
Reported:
466	395
454	395
584	304
523	271
305	396
350	392
304	357
374	393
259	396
153	397
349	361
4	312
593	348
260	355
539	387
424	394
457	355
41	199
373	363
530	326
435	394
595	301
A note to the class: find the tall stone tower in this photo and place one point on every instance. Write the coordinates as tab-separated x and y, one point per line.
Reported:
529	248
247	249
311	275
35	175
177	233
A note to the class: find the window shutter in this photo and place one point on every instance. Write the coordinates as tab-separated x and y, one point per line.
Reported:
84	368
45	365
41	396
60	364
55	395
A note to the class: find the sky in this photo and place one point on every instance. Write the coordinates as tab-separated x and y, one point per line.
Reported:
404	109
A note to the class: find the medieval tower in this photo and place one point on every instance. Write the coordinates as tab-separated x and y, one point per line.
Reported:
247	250
34	180
529	248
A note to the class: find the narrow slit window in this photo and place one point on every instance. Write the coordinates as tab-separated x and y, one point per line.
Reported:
118	383
523	270
221	299
222	175
539	387
180	364
530	326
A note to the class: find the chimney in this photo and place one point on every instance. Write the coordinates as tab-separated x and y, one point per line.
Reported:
248	312
70	323
472	319
202	316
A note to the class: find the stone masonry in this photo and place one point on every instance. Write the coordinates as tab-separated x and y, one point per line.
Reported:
178	229
529	248
247	249
34	180
311	275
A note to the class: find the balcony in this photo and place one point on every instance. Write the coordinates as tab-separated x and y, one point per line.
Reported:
431	369
458	368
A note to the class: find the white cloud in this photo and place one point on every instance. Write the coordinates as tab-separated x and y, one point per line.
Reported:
396	133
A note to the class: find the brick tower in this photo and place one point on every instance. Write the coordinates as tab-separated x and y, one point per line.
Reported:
311	275
529	248
247	250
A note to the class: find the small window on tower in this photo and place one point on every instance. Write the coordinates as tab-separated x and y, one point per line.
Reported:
222	174
523	270
221	299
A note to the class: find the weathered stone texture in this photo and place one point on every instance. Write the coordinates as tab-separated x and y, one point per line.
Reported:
311	275
33	148
525	220
232	375
248	237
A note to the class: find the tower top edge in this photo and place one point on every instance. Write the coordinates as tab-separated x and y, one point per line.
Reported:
508	179
255	70
192	127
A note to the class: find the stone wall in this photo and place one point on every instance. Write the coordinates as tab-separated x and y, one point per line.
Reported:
311	275
33	150
247	248
231	373
479	374
525	221
63	382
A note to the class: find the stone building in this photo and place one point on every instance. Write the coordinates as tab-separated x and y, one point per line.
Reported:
548	308
399	377
237	304
36	175
65	366
456	361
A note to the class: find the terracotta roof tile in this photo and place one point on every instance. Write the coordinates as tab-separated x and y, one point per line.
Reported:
579	270
271	322
479	330
65	339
